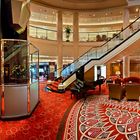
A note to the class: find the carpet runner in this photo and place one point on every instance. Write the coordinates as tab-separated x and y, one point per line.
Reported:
97	117
54	85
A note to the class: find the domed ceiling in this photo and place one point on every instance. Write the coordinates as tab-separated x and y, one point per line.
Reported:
83	4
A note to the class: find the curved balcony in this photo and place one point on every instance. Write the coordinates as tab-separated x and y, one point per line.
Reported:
47	34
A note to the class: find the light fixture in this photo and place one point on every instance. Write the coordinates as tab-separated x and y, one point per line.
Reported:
118	60
137	9
118	73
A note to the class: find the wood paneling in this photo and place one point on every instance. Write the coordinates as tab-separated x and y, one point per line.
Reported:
89	75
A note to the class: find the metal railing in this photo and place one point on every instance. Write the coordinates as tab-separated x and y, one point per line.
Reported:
49	34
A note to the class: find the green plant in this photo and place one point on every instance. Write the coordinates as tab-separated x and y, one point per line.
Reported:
68	32
18	71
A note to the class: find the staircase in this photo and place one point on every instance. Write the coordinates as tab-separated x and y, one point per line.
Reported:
104	53
53	85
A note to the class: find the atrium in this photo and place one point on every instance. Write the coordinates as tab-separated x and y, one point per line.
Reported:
70	69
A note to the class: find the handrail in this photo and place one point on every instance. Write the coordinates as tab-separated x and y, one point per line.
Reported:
71	32
106	43
42	28
101	31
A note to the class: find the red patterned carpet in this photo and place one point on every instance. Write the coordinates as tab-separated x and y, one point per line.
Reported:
44	122
100	118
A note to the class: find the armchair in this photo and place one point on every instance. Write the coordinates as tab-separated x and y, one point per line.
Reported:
132	91
116	91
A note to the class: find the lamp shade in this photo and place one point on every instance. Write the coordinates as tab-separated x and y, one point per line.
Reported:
118	72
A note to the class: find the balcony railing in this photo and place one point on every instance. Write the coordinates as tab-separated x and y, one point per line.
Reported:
42	33
97	36
48	34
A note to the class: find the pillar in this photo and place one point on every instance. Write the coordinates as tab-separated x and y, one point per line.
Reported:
59	39
0	20
108	69
126	66
76	34
126	22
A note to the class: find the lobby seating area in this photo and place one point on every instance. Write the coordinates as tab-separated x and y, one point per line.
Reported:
128	87
116	91
132	91
62	70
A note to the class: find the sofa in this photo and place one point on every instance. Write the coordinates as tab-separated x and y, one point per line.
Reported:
131	80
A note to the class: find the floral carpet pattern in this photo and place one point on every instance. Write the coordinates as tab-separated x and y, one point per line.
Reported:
97	117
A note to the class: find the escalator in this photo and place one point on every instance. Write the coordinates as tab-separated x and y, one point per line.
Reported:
12	50
120	43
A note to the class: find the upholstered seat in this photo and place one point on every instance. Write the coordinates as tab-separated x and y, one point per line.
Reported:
116	91
132	91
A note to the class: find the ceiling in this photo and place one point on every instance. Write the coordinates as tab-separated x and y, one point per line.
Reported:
49	15
82	4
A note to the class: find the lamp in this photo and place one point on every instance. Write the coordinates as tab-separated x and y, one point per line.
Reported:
118	73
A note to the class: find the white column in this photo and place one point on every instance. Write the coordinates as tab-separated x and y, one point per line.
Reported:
60	43
76	34
126	66
126	22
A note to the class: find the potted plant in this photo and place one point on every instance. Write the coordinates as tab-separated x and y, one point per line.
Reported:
68	32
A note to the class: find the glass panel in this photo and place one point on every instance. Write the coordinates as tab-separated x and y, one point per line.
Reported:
34	64
42	33
97	36
15	61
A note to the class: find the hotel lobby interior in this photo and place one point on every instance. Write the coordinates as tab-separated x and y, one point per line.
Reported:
70	70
